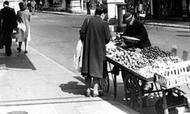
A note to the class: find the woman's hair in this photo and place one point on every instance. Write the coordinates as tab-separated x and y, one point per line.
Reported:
22	6
6	2
100	9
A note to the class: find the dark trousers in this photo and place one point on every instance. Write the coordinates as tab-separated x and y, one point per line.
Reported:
7	41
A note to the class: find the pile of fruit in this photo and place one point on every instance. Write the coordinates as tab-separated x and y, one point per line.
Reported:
146	61
154	52
128	58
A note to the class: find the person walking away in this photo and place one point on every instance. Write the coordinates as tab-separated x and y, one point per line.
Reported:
40	5
8	23
95	34
23	16
29	6
33	6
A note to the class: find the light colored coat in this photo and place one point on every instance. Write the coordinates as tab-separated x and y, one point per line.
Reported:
24	16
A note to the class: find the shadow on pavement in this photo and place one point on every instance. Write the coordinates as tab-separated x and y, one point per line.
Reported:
16	61
183	35
73	87
183	31
78	88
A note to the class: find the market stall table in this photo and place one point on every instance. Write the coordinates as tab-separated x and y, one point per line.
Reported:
132	65
134	83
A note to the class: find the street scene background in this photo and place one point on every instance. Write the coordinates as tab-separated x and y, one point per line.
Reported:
44	81
56	36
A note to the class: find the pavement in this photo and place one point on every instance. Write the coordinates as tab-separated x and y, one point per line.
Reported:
32	83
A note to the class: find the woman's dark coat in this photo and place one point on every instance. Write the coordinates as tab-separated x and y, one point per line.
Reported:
138	30
97	35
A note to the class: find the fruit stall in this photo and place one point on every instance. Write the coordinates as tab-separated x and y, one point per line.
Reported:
145	71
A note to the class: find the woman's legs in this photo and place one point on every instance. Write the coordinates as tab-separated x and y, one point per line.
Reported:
88	81
96	86
26	46
19	47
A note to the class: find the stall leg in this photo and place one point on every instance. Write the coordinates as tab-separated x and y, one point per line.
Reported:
140	93
165	103
115	85
115	71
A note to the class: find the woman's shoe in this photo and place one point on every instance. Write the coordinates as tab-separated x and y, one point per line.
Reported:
88	92
25	51
19	50
95	93
95	90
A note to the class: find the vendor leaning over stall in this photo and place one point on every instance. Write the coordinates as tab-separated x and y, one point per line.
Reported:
135	28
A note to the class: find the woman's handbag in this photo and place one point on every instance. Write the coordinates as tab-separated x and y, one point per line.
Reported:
78	56
19	31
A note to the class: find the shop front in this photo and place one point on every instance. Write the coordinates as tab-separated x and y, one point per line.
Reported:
163	9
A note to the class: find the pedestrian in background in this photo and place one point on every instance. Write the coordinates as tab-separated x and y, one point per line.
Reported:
88	5
23	17
8	23
40	5
95	35
33	6
29	5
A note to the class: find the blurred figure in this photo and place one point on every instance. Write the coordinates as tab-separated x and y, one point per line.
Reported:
33	6
88	5
95	35
29	5
8	23
23	16
40	5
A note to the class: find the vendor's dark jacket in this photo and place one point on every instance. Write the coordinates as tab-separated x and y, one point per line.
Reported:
94	51
138	30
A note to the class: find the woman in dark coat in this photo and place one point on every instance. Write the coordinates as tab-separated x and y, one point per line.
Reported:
95	34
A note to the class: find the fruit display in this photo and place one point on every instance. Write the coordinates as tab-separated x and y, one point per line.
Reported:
128	58
145	61
154	52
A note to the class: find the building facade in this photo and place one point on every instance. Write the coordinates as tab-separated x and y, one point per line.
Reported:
171	8
161	9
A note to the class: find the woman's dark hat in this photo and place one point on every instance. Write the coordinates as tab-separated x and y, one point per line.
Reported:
127	16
